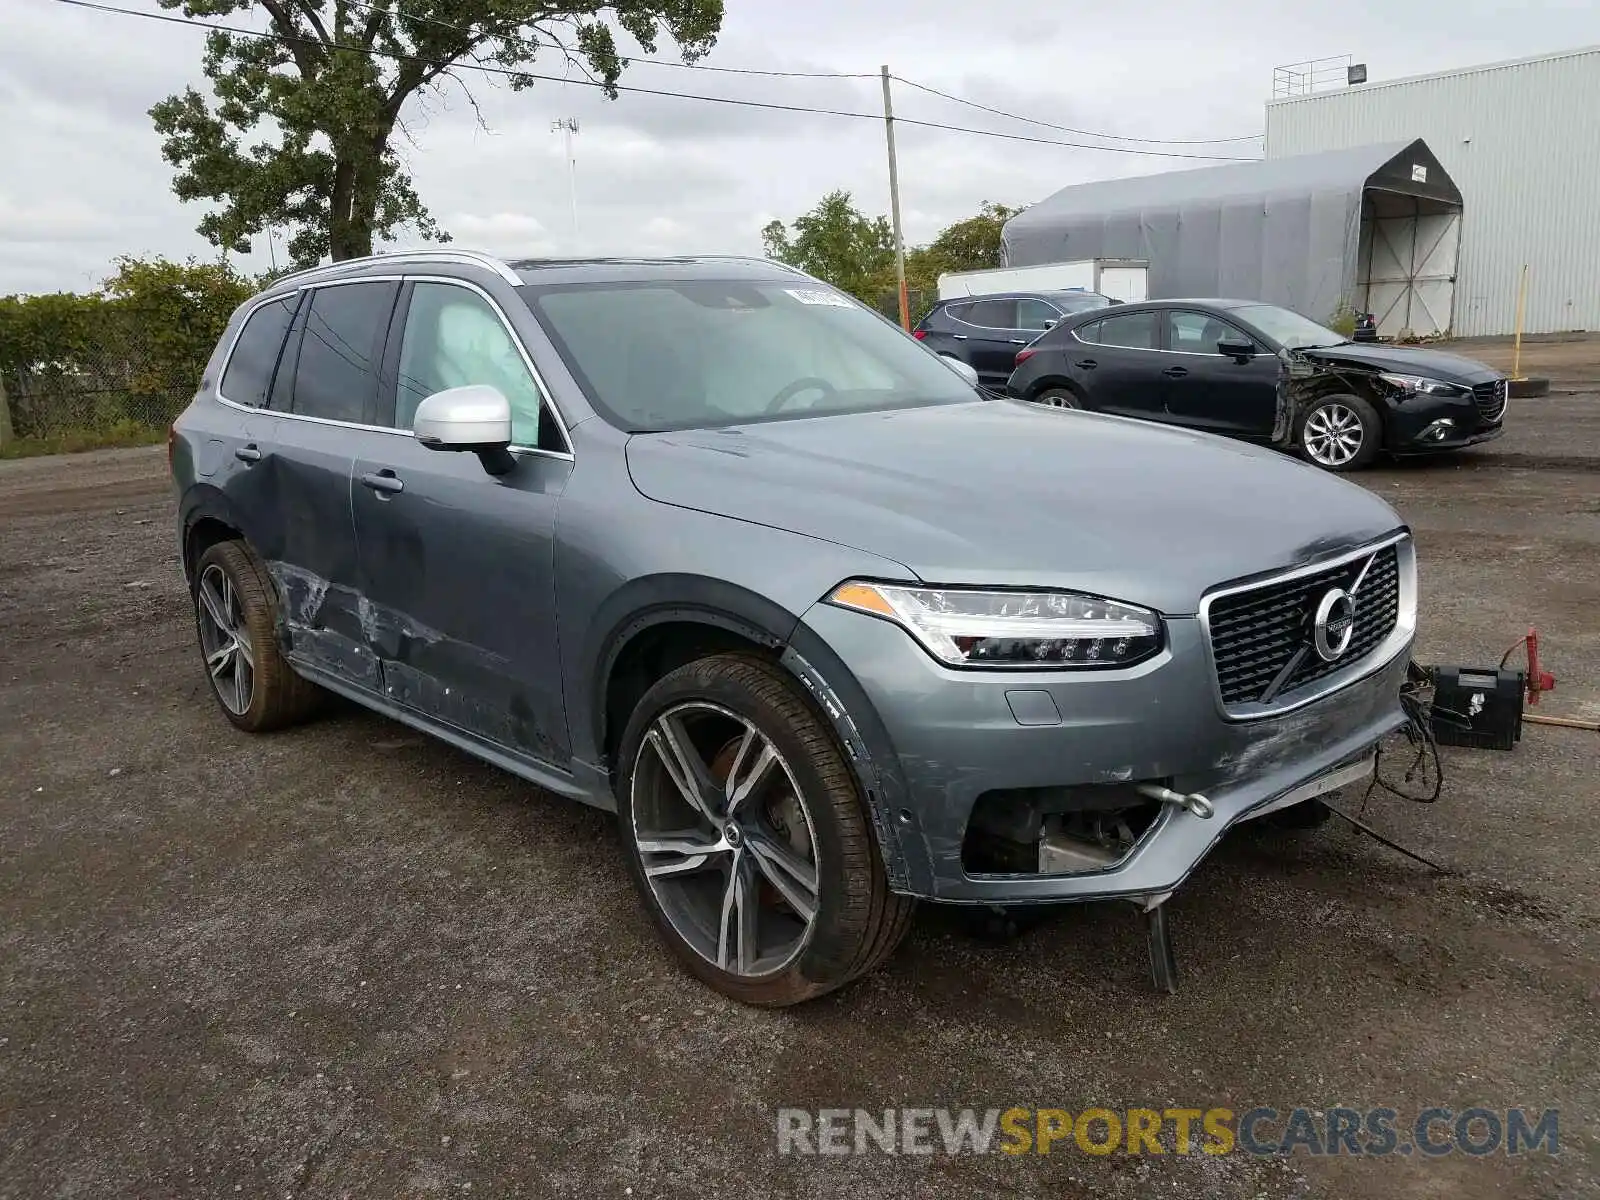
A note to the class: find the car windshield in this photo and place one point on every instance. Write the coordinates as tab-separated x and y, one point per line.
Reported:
1077	302
1288	329
699	354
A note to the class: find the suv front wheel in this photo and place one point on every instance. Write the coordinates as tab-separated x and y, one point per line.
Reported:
747	838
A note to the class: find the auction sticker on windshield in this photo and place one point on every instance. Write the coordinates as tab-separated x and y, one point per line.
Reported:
817	296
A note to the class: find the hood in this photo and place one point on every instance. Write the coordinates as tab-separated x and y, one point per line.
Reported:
1406	360
1010	494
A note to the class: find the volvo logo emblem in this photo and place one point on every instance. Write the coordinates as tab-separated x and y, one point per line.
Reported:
1334	624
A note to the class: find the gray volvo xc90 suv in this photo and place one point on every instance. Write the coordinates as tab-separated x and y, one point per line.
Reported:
705	542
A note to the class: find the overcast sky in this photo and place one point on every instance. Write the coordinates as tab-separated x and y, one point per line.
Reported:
82	179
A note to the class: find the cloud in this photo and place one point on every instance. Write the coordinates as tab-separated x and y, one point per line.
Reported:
84	179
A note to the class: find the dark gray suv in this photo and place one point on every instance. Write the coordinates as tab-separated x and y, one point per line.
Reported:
708	543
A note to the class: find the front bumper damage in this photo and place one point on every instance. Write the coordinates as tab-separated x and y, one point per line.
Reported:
954	750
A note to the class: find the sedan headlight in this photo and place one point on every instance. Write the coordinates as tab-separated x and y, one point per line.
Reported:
966	627
1423	386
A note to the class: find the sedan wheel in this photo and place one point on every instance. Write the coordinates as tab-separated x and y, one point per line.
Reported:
1340	433
1058	398
747	836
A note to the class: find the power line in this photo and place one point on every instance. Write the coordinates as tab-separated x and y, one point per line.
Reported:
630	60
1117	137
770	105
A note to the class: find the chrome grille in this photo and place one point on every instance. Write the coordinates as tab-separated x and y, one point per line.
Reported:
1491	400
1255	633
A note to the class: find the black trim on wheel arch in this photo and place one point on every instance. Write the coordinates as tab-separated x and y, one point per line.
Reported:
663	599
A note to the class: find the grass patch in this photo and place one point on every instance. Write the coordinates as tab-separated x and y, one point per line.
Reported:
124	433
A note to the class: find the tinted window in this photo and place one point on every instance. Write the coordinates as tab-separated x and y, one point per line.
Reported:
1036	314
993	314
454	337
338	369
1197	332
681	355
249	372
1137	331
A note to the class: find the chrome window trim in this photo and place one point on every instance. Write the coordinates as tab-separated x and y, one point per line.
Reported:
971	300
1261	352
527	359
1380	656
1112	345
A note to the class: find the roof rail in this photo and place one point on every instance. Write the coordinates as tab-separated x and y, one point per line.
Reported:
470	257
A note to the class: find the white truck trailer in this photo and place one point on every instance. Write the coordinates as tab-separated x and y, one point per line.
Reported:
1120	278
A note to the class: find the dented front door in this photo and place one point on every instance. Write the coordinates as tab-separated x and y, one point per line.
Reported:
458	592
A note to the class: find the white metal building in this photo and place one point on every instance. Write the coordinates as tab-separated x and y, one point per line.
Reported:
1521	140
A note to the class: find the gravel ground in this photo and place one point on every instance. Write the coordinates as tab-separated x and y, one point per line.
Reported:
347	961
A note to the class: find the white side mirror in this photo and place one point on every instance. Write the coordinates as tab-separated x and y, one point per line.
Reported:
475	417
961	369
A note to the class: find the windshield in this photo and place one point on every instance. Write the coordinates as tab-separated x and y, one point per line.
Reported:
1077	302
693	354
1288	329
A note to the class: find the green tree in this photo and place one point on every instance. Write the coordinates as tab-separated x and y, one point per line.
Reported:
302	127
835	241
973	244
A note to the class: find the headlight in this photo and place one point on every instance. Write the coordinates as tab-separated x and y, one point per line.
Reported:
971	628
1422	385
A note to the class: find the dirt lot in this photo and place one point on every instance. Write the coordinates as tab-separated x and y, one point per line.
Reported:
347	961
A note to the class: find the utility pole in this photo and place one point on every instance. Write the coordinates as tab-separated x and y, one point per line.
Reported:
569	126
894	205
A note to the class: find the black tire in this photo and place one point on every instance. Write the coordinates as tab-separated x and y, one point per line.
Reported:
1335	412
277	696
1060	398
858	921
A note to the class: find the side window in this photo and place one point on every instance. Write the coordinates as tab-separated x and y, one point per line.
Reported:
250	366
1136	331
993	314
1198	333
338	368
1036	314
454	337
1089	333
957	311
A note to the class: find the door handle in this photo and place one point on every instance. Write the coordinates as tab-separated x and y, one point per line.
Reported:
960	337
1088	364
1019	341
247	454
384	482
1175	372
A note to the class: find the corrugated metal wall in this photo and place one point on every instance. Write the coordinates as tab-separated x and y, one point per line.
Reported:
1522	142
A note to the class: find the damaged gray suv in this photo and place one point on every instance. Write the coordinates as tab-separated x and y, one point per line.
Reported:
705	542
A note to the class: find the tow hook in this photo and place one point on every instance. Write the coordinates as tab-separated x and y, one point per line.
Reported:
1192	802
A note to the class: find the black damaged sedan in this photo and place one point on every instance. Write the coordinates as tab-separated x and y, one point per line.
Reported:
1265	374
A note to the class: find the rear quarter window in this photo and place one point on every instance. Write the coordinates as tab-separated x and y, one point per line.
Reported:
248	374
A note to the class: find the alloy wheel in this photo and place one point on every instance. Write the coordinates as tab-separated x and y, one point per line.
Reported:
225	640
1060	400
725	839
1333	435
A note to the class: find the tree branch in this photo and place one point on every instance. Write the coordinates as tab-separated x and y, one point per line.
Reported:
309	8
308	52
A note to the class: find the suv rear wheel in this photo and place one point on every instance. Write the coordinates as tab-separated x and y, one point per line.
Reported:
235	614
747	838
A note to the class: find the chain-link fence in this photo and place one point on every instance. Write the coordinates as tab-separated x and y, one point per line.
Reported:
918	302
113	389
